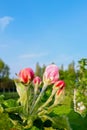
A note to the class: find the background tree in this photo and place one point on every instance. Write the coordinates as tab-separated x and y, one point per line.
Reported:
4	70
62	72
6	84
38	70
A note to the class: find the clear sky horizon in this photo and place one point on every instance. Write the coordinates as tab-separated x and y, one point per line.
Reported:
43	31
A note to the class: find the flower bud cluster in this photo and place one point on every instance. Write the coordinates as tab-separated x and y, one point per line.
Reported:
31	89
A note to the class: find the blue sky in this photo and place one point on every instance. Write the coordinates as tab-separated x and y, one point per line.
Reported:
43	31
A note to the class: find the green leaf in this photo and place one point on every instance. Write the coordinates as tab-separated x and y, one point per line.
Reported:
34	128
50	128
5	123
10	103
1	98
22	91
1	109
77	122
61	122
18	109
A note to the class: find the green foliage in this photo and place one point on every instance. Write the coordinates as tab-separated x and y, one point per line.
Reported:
10	103
39	70
10	95
61	122
4	70
5	123
6	83
80	91
76	121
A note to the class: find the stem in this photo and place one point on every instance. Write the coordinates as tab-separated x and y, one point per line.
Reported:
39	97
36	89
46	103
48	100
35	94
74	99
27	100
52	106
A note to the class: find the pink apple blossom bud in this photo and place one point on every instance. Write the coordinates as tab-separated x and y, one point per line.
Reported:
37	80
51	74
61	85
26	75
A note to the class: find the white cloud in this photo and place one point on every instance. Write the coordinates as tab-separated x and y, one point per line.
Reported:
26	56
5	21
